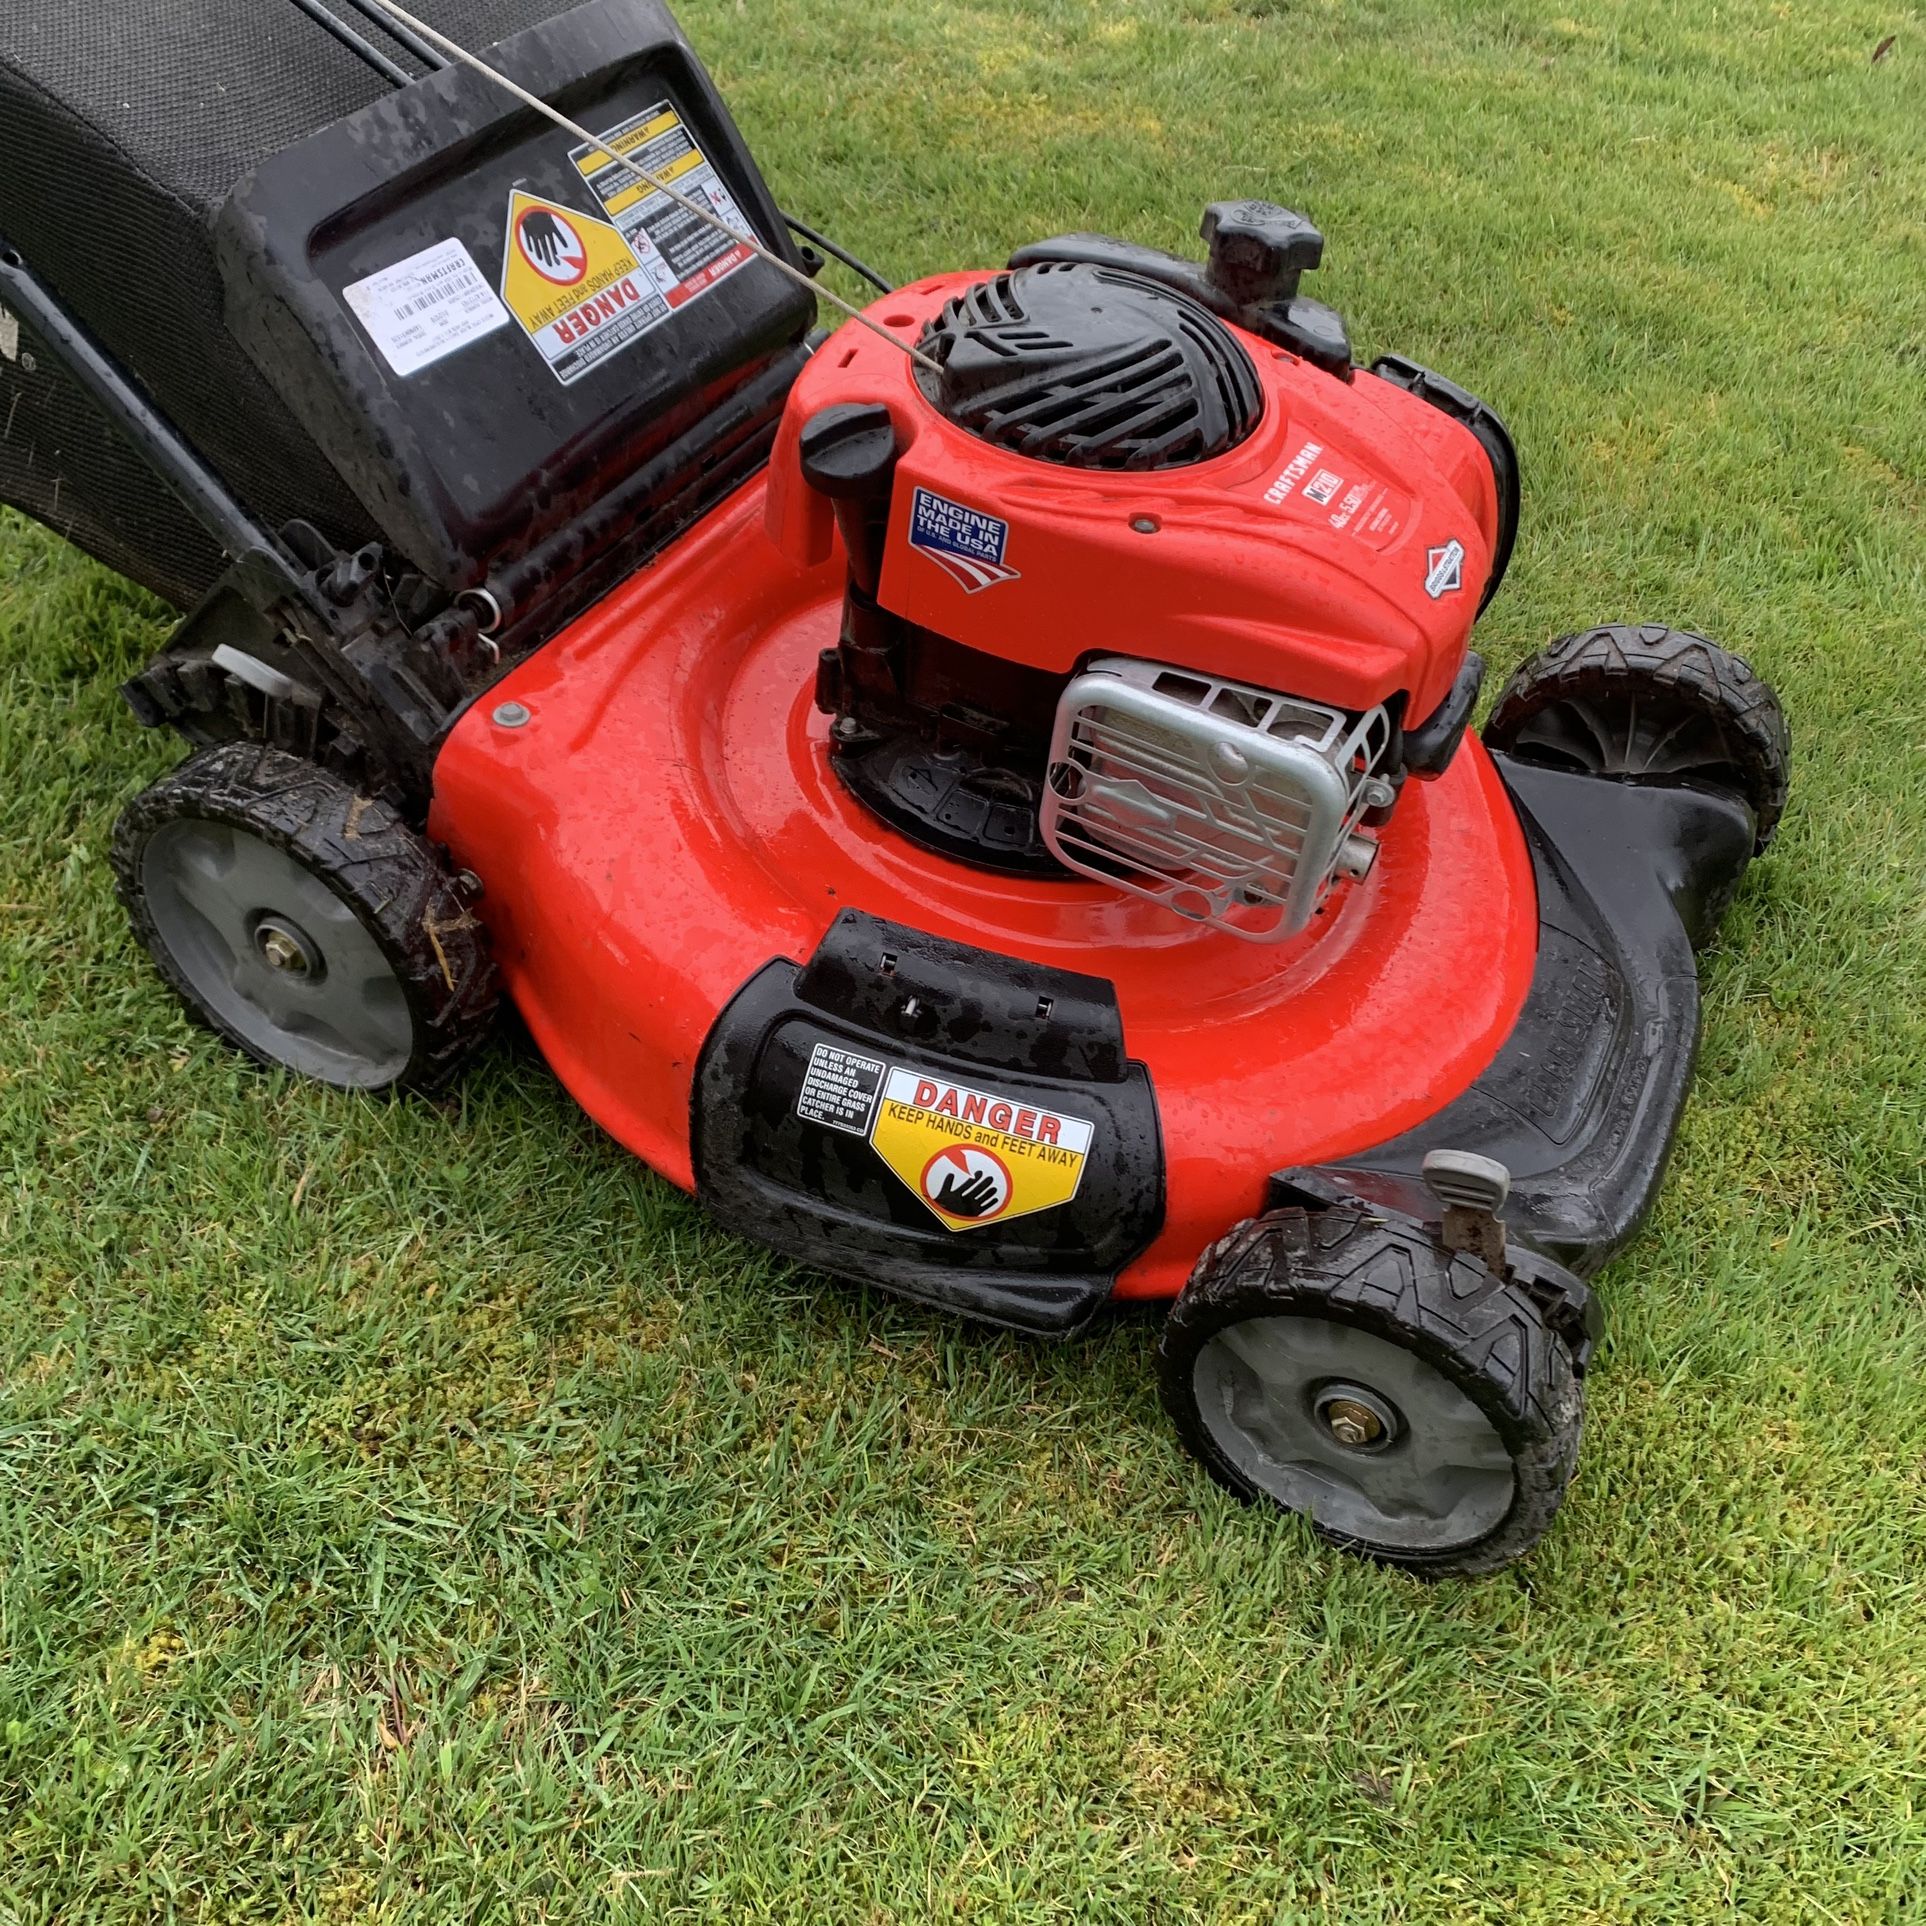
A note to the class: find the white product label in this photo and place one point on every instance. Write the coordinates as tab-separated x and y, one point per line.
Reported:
426	306
9	337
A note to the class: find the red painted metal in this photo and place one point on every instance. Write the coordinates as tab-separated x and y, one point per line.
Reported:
1296	561
666	822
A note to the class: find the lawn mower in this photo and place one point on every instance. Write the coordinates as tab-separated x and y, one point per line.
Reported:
985	798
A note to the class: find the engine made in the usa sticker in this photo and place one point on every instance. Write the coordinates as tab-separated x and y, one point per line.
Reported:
967	544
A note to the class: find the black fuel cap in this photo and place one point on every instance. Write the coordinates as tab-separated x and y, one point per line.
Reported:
1258	250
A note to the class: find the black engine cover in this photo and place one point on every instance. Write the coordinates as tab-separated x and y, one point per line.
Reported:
1091	367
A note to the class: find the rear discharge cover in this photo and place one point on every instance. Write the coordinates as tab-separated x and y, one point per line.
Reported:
448	432
483	322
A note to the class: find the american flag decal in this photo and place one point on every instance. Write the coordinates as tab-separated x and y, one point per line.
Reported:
965	543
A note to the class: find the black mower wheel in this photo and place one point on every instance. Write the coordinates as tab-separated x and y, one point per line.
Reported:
1651	705
307	924
1342	1365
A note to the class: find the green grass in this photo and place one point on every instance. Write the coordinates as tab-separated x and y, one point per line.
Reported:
421	1514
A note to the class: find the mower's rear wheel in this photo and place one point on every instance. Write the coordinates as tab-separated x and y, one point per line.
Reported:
1650	705
307	924
1340	1364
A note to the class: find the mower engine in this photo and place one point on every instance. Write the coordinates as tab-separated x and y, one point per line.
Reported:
1157	434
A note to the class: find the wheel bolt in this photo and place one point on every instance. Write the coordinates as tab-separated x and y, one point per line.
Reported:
1351	1423
281	950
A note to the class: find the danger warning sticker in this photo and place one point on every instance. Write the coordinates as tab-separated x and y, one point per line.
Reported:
584	289
576	286
975	1157
694	255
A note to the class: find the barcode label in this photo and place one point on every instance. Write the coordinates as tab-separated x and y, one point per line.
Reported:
426	306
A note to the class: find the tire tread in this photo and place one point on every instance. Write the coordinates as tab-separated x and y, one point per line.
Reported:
1385	1275
1623	661
394	879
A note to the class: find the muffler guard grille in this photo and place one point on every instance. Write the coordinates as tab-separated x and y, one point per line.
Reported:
1230	805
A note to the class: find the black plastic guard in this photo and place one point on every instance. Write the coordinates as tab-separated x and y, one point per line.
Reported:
479	454
1582	1102
802	1174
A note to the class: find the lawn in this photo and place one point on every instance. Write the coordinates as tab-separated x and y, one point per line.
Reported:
415	1513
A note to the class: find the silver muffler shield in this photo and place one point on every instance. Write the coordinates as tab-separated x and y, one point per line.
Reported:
1230	805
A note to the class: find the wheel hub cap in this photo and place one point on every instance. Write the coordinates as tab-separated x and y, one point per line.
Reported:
1357	1419
275	955
1367	1437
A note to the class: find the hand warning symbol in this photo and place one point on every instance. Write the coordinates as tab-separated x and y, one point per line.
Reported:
551	246
967	1181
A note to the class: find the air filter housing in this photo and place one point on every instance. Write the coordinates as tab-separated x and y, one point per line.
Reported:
1091	367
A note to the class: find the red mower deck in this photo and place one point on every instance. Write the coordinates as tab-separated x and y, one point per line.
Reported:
746	847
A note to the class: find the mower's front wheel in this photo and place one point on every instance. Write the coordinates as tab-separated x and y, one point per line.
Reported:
1651	705
1340	1364
307	924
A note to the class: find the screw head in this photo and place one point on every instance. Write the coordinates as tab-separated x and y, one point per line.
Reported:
1145	524
510	715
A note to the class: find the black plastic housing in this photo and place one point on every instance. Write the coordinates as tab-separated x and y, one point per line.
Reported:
1583	1101
1091	367
1258	254
907	999
484	452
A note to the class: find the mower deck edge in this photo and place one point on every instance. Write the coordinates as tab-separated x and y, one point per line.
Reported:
1583	1101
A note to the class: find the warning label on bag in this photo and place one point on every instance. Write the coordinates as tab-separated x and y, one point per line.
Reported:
975	1157
577	287
695	255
